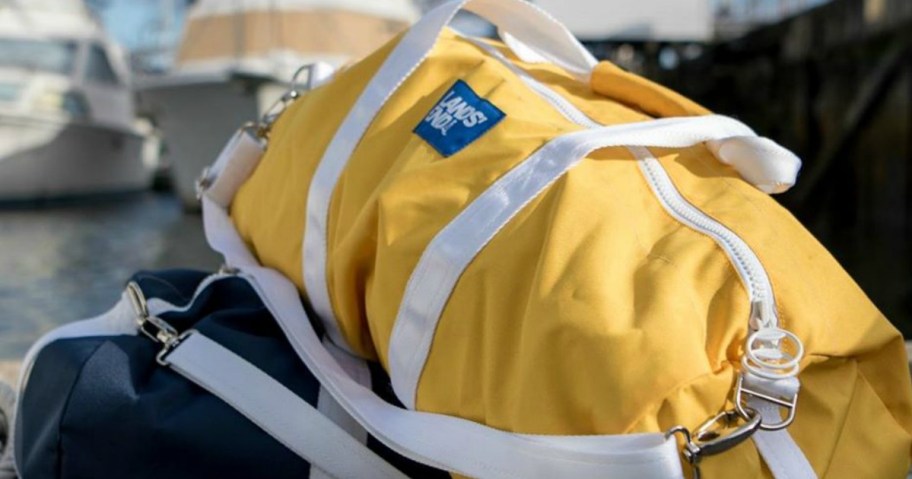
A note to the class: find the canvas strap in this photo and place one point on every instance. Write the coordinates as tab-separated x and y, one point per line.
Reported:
779	450
276	409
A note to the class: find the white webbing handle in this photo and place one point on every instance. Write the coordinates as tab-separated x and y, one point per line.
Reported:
534	35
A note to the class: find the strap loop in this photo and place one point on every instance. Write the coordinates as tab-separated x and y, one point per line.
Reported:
761	161
780	394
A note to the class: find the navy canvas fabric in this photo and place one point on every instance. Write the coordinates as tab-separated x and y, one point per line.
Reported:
102	407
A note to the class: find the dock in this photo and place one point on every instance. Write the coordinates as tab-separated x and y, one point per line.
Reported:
9	371
834	85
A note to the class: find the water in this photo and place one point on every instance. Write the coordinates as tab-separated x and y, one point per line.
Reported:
67	262
70	261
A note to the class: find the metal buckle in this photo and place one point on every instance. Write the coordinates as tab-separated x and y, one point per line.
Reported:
742	394
262	128
155	328
203	182
228	270
168	348
717	435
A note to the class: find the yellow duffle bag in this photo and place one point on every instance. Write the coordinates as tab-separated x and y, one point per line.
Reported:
550	249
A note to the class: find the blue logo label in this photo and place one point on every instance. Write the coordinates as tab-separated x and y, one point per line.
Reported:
459	118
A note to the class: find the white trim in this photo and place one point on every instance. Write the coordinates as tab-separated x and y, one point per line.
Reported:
527	23
317	473
235	163
778	449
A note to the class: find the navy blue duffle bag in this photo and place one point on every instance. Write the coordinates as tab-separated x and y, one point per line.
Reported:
97	401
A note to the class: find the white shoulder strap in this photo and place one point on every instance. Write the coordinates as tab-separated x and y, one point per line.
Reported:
277	410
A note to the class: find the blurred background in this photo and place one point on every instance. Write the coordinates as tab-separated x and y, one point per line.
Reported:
109	110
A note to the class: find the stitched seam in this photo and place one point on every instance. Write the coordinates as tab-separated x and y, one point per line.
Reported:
845	419
66	407
726	181
156	279
880	401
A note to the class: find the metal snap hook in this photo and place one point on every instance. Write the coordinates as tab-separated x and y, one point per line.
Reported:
717	435
153	327
722	432
264	125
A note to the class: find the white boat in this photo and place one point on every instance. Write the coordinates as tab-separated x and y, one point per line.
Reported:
237	57
66	105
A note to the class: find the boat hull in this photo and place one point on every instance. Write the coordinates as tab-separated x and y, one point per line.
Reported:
197	118
46	159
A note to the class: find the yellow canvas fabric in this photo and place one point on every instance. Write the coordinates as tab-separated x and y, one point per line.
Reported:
593	311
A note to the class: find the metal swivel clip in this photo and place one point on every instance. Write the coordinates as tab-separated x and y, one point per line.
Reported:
262	127
155	328
717	435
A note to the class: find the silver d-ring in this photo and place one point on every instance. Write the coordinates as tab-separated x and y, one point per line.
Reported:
743	394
